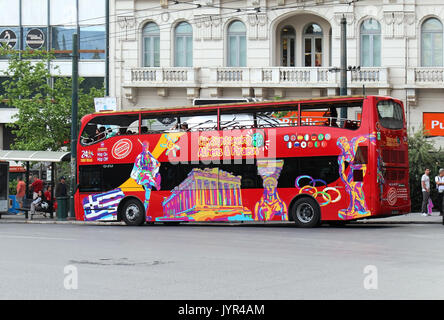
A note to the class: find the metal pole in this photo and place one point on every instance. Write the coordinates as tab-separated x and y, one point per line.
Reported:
77	21
343	88
20	40
52	189
107	49
27	180
74	107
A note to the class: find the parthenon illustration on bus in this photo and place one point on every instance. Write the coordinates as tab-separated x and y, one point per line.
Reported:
208	194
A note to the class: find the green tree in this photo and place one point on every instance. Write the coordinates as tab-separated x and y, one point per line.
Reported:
13	187
43	102
422	154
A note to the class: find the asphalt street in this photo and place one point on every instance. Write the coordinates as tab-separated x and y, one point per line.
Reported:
362	261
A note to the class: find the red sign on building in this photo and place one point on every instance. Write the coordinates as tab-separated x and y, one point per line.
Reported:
433	123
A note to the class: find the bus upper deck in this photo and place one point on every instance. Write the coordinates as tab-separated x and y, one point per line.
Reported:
266	114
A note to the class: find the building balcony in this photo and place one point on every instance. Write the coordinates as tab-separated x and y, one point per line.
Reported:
266	77
272	77
162	77
425	77
373	77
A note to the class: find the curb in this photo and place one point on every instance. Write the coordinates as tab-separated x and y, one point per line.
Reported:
396	222
104	223
91	223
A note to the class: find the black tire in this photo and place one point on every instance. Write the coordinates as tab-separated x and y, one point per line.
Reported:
306	213
133	213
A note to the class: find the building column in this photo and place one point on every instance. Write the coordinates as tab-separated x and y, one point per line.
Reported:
215	92
260	93
247	92
332	92
279	93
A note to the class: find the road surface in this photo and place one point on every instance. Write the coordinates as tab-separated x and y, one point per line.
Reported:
362	261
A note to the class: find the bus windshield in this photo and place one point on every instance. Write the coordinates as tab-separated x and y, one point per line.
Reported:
390	114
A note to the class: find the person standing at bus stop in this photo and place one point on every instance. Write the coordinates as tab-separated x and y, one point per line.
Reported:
425	185
21	190
61	190
37	185
439	180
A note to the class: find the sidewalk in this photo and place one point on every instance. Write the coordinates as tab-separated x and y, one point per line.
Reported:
39	219
414	217
411	218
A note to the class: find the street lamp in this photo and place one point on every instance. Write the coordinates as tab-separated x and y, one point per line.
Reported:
343	87
354	68
349	68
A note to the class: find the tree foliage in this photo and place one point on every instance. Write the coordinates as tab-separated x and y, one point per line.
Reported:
43	101
422	154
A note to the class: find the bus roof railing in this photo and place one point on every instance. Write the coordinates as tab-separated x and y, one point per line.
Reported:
260	103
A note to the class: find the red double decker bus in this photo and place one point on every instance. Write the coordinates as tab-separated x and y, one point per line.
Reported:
292	160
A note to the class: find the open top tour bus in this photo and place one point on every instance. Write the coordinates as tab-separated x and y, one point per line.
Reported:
255	161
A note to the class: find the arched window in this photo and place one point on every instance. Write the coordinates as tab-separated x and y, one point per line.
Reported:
288	46
432	43
370	43
151	45
237	44
313	45
183	45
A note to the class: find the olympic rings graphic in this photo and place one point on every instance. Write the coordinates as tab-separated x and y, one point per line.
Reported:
306	177
324	194
313	191
309	187
312	181
321	181
337	191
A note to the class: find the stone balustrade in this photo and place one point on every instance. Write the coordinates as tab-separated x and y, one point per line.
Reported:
161	77
431	77
267	77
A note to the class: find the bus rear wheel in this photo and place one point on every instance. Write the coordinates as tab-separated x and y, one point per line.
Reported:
133	213
306	213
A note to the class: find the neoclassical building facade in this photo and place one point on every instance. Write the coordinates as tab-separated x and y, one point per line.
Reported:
165	53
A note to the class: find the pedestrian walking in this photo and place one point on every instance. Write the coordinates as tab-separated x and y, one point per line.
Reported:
439	180
425	185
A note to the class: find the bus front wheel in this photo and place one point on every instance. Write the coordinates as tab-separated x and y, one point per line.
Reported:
133	213
306	213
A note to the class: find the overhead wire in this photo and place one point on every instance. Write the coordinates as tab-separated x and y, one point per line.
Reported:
99	37
120	13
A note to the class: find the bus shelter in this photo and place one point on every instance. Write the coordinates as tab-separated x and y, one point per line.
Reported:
33	156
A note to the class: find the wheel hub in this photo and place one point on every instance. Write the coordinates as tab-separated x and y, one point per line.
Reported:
305	213
132	212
